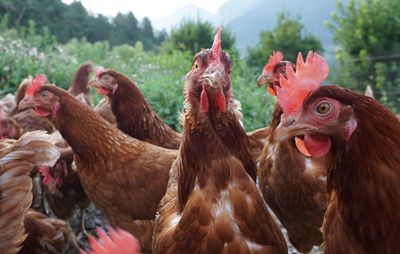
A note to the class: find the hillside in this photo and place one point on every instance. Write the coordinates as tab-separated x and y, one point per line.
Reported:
187	12
313	14
246	18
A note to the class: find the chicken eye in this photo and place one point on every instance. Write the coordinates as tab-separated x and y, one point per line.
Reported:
196	66
283	71
323	108
43	94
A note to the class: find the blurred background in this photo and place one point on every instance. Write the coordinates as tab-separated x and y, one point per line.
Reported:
153	42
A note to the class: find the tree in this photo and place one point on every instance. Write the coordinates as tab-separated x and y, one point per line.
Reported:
368	35
98	28
288	36
125	29
73	21
160	36
77	17
147	34
192	36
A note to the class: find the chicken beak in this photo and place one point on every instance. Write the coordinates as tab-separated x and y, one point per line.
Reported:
290	127
214	76
266	79
93	83
26	102
102	87
263	79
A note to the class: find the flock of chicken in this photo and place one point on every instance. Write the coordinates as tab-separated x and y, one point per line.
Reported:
327	166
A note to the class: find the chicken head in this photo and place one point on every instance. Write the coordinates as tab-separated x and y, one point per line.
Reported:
104	83
43	102
311	115
275	67
208	83
322	121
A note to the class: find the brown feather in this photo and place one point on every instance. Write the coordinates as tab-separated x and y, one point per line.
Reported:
213	187
103	108
231	133
45	235
17	160
293	188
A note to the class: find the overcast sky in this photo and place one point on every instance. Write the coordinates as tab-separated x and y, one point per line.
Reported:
154	9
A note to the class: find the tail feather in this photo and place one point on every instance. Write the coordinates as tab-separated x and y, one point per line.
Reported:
17	159
35	147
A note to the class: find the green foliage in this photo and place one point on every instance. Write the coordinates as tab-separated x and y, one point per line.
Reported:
368	36
192	36
288	36
257	104
159	76
21	57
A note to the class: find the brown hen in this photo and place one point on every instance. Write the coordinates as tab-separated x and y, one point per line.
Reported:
218	208
124	177
133	113
360	140
293	186
80	81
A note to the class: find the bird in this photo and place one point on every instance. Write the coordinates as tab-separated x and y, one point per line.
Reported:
217	208
124	177
293	186
359	140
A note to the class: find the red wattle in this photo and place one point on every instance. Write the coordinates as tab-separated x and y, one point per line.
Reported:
204	100
41	112
317	145
220	100
102	91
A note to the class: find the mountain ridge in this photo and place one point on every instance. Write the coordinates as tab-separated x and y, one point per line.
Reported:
247	18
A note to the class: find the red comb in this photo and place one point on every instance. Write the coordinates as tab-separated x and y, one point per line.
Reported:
216	47
99	71
119	242
274	59
308	77
39	81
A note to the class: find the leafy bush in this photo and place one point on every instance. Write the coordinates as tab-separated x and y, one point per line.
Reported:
21	58
367	34
159	76
193	35
288	36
